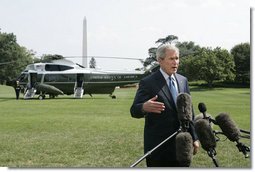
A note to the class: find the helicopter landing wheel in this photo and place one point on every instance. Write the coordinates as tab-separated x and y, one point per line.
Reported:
113	96
41	97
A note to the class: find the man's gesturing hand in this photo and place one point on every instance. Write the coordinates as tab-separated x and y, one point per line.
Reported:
153	106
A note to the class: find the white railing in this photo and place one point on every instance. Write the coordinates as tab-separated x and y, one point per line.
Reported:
78	92
30	93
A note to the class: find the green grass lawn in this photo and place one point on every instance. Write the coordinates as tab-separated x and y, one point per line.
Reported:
99	132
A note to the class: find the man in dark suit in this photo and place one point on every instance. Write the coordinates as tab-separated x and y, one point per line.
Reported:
156	102
17	89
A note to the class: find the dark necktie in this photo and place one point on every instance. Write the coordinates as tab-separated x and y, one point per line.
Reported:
172	89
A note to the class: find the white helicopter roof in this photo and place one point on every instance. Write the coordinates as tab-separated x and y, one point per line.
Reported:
64	65
64	62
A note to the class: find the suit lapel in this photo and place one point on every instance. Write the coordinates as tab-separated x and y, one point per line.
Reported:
180	83
162	85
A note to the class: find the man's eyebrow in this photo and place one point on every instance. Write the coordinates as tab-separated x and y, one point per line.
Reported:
174	57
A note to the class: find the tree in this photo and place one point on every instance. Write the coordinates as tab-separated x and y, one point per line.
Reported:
189	66
50	57
188	59
151	60
92	63
17	56
215	64
227	62
241	54
187	48
169	39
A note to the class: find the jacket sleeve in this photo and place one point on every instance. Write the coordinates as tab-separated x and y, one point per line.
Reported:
142	95
192	128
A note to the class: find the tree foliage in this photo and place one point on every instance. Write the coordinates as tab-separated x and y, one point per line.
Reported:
209	65
169	39
151	60
188	67
241	54
188	61
50	57
16	56
216	64
187	48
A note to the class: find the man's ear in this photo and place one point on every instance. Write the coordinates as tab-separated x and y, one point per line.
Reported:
160	60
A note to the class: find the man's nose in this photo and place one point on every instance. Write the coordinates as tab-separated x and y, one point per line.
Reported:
175	61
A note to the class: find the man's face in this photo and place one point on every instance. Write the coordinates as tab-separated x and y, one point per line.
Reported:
170	63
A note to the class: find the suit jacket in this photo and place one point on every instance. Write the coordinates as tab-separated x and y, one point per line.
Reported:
160	126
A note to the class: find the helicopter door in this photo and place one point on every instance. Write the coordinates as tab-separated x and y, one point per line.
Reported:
78	87
30	89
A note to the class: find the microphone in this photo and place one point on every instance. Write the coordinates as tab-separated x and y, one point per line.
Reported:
205	134
184	109
206	138
202	109
228	127
184	148
231	131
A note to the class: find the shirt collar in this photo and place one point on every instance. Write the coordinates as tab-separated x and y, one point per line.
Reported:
166	76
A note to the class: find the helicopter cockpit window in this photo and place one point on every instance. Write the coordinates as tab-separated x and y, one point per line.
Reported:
53	67
62	67
23	77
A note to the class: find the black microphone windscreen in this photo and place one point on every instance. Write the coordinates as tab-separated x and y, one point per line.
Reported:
205	134
202	107
184	148
184	107
228	126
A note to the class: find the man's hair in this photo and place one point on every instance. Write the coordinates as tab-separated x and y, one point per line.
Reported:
161	51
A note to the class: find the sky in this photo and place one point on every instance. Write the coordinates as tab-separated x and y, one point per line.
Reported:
123	28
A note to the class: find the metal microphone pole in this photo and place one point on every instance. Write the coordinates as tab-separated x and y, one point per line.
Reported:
243	148
212	154
244	131
215	162
149	152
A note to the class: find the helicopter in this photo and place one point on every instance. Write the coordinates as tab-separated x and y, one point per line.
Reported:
63	76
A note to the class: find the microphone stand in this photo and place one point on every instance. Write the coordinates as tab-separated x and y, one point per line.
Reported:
244	131
209	118
212	154
243	148
149	152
